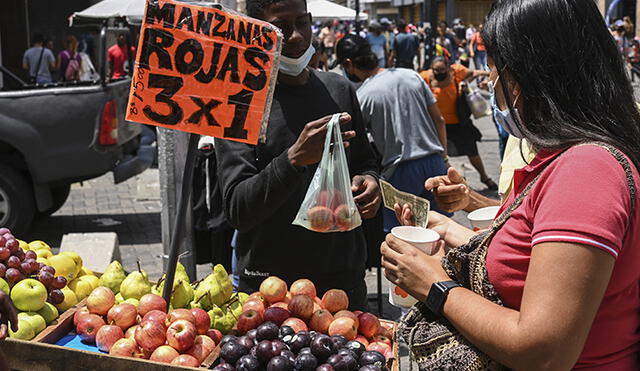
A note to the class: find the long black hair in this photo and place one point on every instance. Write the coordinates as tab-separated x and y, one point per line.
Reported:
574	84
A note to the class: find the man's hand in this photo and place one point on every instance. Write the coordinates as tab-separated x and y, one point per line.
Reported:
450	191
369	197
307	150
8	313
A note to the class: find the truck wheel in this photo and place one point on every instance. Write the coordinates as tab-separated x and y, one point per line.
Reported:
59	195
17	205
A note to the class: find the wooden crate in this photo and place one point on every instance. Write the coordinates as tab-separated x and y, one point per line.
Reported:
41	353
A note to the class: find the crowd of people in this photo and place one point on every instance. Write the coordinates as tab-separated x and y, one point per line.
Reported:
73	62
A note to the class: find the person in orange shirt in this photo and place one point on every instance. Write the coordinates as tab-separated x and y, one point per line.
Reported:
445	82
477	50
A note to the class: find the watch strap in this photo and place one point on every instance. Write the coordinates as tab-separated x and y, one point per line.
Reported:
438	295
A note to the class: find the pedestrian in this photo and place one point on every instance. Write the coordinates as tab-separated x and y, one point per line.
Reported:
459	29
402	116
471	30
118	57
555	282
264	185
69	62
617	30
477	50
87	70
404	48
445	81
378	43
38	61
327	38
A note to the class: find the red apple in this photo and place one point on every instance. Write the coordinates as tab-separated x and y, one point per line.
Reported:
273	289
316	307
348	314
303	287
385	330
150	335
276	315
254	304
343	326
122	315
301	306
181	335
79	313
296	324
381	339
107	336
343	217
164	353
357	312
126	347
186	360
199	352
100	300
280	304
258	295
288	297
249	320
88	326
320	321
215	335
335	300
362	340
318	301
131	332
379	347
178	314
205	341
155	316
203	321
320	218
151	302
369	325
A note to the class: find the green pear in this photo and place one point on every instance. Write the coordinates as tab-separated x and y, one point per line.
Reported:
135	285
182	293
37	321
133	301
119	298
49	312
222	277
221	320
235	307
113	276
25	330
243	296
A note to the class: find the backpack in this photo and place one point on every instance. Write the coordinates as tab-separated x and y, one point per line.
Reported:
72	72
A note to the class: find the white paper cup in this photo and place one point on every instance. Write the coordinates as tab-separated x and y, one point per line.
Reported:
482	218
423	239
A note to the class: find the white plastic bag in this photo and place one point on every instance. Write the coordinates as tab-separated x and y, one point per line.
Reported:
478	104
328	205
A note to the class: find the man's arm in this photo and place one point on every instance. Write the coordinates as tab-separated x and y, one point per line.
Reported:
441	126
472	42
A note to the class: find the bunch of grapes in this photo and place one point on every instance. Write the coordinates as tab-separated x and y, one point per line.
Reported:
16	265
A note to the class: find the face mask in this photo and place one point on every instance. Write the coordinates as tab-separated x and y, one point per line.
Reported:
504	118
441	76
295	66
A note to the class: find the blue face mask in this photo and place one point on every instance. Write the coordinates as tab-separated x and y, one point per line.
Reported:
504	118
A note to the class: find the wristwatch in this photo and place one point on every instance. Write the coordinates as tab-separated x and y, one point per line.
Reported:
438	295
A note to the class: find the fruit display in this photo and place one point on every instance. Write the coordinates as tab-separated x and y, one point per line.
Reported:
41	284
181	336
282	329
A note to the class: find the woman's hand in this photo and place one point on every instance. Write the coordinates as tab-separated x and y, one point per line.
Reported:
8	313
410	268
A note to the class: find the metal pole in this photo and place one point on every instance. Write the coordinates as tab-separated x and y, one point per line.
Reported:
179	221
357	16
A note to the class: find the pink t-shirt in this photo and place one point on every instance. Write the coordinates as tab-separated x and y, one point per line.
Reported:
582	197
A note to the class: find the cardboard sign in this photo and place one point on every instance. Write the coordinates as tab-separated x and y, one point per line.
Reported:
205	71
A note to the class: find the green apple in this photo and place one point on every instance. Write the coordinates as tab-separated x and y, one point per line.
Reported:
49	312
29	295
81	288
25	331
37	321
133	301
4	286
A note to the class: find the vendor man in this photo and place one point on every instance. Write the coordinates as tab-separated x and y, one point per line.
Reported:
263	186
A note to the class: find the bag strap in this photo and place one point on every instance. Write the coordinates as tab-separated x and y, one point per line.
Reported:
39	63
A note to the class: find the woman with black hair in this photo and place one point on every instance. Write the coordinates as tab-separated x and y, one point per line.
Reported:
554	284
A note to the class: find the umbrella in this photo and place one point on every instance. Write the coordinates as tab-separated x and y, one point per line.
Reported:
131	10
326	10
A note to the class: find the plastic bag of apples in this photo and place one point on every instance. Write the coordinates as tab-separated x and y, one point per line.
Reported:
328	205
